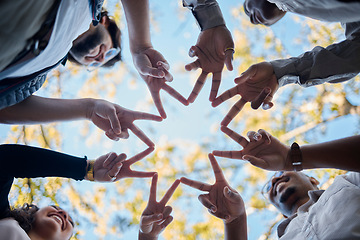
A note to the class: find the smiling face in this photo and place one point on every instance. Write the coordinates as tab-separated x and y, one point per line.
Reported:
52	223
92	45
262	12
290	190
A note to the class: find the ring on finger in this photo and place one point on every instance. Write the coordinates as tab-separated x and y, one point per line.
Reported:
232	49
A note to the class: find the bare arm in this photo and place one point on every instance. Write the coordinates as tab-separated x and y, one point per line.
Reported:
35	110
237	229
137	18
341	154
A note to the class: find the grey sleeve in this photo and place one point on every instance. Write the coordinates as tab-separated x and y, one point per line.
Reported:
353	177
336	63
206	12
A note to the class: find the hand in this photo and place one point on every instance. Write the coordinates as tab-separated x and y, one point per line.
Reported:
262	150
116	120
257	85
221	200
156	216
114	163
124	169
154	69
214	48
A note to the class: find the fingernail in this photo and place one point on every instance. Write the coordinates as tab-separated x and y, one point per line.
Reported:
213	209
256	136
246	158
266	106
117	130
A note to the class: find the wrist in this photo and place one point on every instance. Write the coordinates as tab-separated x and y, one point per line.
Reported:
89	105
236	221
146	236
140	47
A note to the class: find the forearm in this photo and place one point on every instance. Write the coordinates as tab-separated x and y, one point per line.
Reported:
336	63
144	236
207	13
35	110
237	229
138	21
340	154
29	162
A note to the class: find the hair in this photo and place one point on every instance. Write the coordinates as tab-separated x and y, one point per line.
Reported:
115	35
24	215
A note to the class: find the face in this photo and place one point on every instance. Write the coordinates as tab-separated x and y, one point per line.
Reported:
92	45
52	223
290	190
262	12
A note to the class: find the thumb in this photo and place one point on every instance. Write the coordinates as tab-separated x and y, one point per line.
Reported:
228	193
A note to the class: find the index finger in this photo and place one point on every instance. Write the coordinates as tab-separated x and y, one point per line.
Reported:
140	155
219	176
198	86
170	192
215	86
225	96
140	134
152	196
146	116
196	184
175	94
238	106
235	136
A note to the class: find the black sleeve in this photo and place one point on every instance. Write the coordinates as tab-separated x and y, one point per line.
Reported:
30	162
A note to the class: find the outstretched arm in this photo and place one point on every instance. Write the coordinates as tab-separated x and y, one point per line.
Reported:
267	152
113	119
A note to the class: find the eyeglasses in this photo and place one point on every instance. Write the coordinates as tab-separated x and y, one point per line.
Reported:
109	54
266	188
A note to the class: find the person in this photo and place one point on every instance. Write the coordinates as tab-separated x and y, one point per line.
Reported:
52	222
113	119
265	151
309	211
156	216
214	47
336	63
222	201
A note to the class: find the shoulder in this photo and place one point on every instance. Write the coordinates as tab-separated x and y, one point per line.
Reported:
10	230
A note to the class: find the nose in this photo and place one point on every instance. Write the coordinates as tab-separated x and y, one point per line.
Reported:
100	58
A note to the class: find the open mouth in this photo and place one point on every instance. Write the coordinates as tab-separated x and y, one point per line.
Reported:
279	185
58	219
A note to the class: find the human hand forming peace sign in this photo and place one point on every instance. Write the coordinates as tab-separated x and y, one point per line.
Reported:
156	216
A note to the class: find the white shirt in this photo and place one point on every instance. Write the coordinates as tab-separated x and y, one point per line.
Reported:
73	18
324	10
330	214
10	230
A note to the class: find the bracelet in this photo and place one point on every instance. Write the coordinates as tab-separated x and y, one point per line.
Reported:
296	157
90	170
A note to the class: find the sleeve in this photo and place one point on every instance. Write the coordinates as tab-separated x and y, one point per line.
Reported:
353	177
206	12
30	162
336	63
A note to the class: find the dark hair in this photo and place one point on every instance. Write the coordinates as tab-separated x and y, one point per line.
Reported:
115	35
24	215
